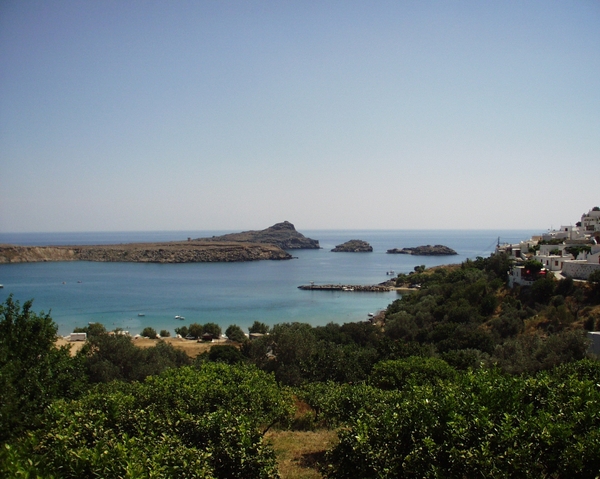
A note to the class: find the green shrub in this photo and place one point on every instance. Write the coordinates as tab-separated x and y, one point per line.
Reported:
149	332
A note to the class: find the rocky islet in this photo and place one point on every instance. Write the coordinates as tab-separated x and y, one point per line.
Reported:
427	250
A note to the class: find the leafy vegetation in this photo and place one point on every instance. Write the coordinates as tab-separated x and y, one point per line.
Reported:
235	333
184	423
482	424
462	378
33	372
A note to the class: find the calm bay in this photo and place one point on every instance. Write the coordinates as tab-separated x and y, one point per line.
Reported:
114	294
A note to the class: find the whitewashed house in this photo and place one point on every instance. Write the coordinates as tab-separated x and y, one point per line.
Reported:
584	265
590	221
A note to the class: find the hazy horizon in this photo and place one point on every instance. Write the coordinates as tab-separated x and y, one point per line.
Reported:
196	116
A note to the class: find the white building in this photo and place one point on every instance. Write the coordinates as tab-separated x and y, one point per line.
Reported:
564	233
590	222
520	275
584	265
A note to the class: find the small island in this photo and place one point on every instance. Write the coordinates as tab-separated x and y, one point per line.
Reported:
427	250
353	246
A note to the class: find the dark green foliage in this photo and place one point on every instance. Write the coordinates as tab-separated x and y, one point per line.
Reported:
292	345
164	333
195	330
565	287
542	290
213	329
235	333
93	329
575	250
509	323
532	267
107	358
401	373
337	404
148	332
529	354
298	353
594	281
185	423
463	359
258	327
182	331
401	326
33	372
483	424
224	353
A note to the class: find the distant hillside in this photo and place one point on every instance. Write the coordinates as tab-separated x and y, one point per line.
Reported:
171	252
283	235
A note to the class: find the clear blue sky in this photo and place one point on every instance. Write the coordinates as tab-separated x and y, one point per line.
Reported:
160	115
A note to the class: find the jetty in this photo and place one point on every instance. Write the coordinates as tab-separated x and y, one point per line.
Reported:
375	288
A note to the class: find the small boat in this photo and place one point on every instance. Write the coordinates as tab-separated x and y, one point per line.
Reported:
179	317
141	314
1	286
370	315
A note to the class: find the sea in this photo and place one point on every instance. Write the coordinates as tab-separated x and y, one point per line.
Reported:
132	296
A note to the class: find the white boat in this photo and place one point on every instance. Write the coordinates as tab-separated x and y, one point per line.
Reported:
370	315
179	317
141	314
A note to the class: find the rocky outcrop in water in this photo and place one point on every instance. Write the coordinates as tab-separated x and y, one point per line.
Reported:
427	250
283	235
171	252
353	246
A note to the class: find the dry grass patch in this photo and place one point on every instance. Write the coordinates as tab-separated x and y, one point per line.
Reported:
75	345
191	348
300	453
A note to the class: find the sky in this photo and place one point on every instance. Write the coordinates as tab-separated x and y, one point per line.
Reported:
235	115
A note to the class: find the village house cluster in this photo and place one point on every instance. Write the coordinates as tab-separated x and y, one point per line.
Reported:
571	251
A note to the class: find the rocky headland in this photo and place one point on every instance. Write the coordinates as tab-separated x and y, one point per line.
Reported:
353	246
427	250
283	235
169	252
269	243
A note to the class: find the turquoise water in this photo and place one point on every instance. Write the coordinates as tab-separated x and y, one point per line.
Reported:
77	293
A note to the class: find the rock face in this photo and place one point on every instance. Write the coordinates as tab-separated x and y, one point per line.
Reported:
171	252
428	250
283	235
353	246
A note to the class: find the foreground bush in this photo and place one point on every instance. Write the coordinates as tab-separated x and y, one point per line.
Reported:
33	372
186	423
484	424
